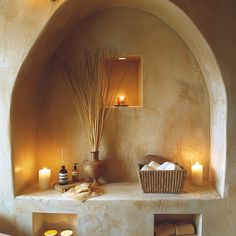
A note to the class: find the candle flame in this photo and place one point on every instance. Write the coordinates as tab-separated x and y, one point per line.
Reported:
196	163
45	170
121	58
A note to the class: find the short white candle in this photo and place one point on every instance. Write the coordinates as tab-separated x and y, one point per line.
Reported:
66	233
197	174
44	178
122	100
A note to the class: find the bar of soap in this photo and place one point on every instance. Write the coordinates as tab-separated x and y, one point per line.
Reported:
184	228
164	229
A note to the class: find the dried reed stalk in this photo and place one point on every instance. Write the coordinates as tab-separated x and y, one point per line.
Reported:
91	91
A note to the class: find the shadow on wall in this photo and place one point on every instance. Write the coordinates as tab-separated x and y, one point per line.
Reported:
7	227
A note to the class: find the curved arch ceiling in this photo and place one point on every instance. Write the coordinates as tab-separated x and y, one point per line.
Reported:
72	12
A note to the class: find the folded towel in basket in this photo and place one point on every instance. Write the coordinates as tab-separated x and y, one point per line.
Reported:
146	167
153	165
165	166
172	166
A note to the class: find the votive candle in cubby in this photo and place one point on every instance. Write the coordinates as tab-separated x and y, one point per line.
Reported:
51	232
44	178
66	233
197	174
121	101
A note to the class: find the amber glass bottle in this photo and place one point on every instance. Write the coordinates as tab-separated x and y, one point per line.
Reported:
63	176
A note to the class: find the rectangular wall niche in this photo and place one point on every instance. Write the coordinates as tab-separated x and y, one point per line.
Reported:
195	219
43	222
129	68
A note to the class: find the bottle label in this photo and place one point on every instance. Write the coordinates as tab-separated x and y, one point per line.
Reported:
63	178
75	176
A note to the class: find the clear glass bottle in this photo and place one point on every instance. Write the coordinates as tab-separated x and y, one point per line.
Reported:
75	173
63	176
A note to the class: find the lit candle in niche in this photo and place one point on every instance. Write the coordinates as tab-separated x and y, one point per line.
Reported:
50	232
197	173
121	101
66	233
44	178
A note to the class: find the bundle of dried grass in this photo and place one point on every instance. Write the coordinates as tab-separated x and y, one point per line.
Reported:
91	91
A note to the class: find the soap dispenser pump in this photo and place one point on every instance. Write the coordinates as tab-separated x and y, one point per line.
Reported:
75	173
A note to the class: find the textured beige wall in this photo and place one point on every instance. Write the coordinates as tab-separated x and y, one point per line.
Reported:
22	21
174	120
19	27
216	20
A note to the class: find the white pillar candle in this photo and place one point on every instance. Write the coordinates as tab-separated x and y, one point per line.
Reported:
44	178
197	174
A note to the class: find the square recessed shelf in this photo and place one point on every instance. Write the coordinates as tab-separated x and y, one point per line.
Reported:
126	75
54	221
195	219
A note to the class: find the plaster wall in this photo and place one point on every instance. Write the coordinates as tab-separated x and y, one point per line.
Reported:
174	121
220	31
19	27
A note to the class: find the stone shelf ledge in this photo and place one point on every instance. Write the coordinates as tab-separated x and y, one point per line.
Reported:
120	203
129	191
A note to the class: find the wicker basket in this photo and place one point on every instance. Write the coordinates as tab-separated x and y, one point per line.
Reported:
162	181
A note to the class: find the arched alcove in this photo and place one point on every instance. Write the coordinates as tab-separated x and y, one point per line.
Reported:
25	94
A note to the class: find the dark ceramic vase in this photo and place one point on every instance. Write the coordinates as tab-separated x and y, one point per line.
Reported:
95	168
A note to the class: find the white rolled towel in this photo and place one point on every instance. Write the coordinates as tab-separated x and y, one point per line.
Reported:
146	167
154	165
172	166
184	228
164	165
164	229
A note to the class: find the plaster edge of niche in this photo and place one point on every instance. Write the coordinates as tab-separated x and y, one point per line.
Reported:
168	12
180	22
206	59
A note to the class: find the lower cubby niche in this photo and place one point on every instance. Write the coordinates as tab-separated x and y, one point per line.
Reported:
43	222
178	224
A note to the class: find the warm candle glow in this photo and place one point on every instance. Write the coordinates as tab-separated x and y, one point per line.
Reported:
50	232
121	100
197	173
66	233
44	178
121	58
